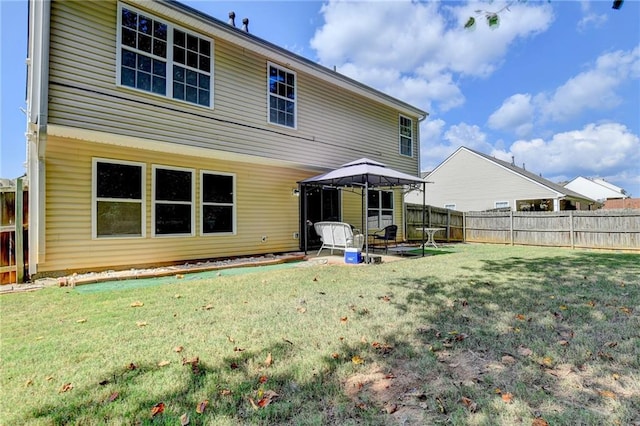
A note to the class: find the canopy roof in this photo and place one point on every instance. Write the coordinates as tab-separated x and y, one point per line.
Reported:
363	172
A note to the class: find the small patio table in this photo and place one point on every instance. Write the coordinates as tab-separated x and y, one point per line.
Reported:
430	233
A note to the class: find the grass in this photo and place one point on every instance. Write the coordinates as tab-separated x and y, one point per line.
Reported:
486	335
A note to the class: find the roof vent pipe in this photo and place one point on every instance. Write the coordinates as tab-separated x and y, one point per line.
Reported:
523	167
513	160
245	24
232	17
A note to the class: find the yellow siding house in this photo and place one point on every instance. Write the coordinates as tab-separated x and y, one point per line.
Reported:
159	134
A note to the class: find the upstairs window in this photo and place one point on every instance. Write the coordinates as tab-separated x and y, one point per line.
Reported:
157	57
282	96
406	136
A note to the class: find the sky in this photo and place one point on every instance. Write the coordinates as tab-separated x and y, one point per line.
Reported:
556	86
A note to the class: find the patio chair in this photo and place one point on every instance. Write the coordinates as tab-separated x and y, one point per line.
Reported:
386	234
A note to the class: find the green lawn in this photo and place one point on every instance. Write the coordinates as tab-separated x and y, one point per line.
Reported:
487	335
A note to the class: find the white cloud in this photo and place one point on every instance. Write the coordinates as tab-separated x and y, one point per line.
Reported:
516	113
590	19
415	50
602	149
593	89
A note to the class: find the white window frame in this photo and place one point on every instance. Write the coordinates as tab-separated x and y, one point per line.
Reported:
154	202
95	199
450	206
294	100
401	136
168	60
233	204
501	204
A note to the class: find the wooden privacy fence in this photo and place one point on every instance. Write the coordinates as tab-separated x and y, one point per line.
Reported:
607	229
13	233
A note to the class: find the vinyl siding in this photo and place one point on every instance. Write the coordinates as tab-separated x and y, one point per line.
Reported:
334	126
264	201
473	183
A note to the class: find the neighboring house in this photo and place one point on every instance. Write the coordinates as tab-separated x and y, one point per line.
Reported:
596	189
158	134
469	180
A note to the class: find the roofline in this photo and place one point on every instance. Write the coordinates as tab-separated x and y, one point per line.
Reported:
558	189
273	51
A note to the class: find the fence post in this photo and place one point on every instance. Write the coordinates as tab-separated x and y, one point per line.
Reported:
464	227
572	238
511	225
448	225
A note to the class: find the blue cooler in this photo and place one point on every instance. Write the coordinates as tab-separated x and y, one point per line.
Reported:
352	255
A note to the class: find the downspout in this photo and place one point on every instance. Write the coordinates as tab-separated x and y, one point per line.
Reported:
37	116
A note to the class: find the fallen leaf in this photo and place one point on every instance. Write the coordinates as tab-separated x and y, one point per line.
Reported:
615	376
357	360
177	296
315	279
80	321
237	349
539	422
103	382
201	406
28	383
131	366
208	307
563	307
141	323
49	378
263	379
253	404
66	387
591	303
507	398
335	355
563	343
269	360
225	392
547	360
472	406
441	407
113	396
497	390
611	344
385	298
163	363
267	398
234	365
607	394
157	409
508	359
229	338
521	317
625	310
178	349
184	419
302	310
137	304
343	319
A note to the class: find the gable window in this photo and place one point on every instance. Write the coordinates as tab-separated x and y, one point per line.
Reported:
118	199
406	136
173	209
157	57
501	204
282	96
380	209
218	203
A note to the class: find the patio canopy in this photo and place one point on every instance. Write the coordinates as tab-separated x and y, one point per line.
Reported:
364	173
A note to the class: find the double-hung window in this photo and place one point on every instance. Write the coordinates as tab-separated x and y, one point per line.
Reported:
282	96
173	207
118	199
158	57
218	203
406	136
379	209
